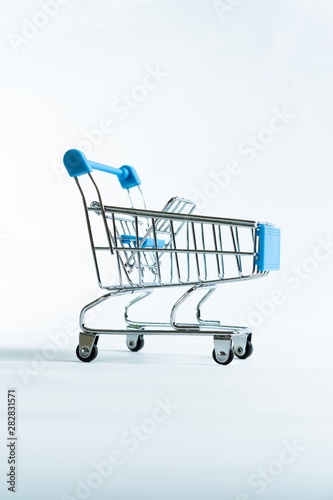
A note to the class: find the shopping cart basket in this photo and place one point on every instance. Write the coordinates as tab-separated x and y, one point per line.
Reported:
139	250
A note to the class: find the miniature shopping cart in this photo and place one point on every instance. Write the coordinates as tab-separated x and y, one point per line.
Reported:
137	251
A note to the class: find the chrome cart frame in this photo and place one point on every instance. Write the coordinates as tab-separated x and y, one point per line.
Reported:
137	251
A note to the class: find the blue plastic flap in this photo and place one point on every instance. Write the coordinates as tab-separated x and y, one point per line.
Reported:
268	258
148	242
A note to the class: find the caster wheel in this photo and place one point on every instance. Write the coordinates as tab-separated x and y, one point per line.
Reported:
91	357
248	351
139	345
229	359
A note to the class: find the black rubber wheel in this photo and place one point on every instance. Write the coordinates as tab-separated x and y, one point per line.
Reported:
91	357
248	351
230	358
139	345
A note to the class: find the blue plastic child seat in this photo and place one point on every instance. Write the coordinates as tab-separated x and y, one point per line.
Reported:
148	242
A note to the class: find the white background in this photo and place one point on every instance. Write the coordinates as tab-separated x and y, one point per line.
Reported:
227	69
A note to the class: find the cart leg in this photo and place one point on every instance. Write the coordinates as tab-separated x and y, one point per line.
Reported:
131	323
222	353
135	342
87	349
242	345
201	321
173	314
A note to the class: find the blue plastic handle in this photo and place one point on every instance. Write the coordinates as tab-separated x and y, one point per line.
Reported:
77	164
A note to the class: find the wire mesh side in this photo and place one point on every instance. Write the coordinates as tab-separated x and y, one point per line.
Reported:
175	251
142	248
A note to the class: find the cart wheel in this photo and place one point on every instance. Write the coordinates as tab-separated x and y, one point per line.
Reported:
139	345
91	357
230	358
248	351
